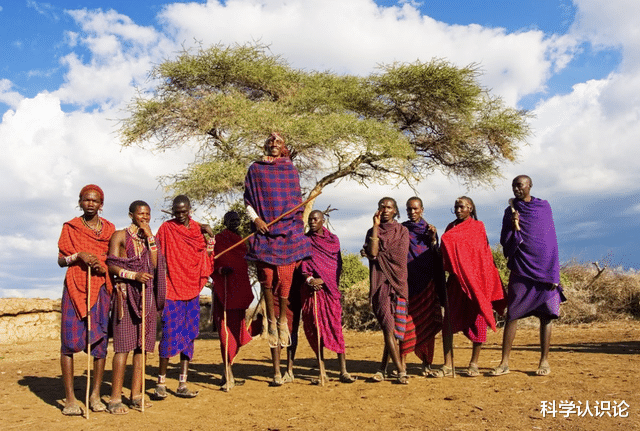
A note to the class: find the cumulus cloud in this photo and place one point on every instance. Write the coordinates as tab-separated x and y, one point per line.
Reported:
7	95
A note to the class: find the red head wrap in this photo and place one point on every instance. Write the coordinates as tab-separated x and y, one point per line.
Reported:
92	187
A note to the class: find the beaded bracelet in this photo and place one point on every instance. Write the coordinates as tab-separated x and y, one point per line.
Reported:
130	275
70	259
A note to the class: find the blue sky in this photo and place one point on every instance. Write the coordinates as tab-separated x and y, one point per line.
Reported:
70	67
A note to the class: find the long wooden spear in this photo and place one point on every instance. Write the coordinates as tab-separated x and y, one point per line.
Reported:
320	361
274	221
513	211
226	337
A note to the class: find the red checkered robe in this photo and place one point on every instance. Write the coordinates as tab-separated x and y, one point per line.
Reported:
77	237
388	277
325	263
236	298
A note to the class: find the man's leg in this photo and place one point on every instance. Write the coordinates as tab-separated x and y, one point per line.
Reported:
66	366
472	371
117	382
545	343
182	390
391	345
345	377
508	336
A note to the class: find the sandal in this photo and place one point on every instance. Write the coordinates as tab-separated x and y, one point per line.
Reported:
277	381
284	337
136	403
96	405
117	408
184	392
72	410
500	370
441	372
160	393
426	369
543	370
288	377
377	377
472	370
402	379
346	378
272	335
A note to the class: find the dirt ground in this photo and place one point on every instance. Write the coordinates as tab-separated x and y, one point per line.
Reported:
590	363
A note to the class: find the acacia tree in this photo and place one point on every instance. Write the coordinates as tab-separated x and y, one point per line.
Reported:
400	123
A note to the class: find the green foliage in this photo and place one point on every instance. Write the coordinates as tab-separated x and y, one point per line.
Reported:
398	124
353	270
501	263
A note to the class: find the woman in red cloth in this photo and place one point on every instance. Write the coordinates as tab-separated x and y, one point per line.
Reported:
473	286
84	243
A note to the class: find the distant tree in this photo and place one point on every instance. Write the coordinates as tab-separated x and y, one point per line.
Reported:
399	124
353	270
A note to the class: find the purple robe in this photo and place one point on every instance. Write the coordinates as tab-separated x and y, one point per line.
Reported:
127	298
325	263
271	188
532	257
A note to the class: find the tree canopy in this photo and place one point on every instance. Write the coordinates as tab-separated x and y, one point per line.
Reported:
400	123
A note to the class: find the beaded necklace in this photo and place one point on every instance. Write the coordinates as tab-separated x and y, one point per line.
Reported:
98	227
138	242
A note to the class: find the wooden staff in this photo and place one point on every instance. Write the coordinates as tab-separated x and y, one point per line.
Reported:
144	333
276	220
448	313
226	335
320	361
86	401
513	211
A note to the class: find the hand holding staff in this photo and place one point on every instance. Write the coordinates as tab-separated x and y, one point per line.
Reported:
516	219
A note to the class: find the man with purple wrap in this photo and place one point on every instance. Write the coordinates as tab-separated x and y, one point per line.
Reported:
530	245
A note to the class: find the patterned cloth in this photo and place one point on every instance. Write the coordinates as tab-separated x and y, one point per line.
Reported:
77	237
426	280
127	296
325	263
388	274
532	257
278	278
271	188
73	330
235	295
239	295
474	285
180	326
188	263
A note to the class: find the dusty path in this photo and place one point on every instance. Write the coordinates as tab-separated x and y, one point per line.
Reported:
593	363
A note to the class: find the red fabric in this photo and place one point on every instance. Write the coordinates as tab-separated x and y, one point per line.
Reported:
467	256
188	263
235	330
279	278
239	295
77	237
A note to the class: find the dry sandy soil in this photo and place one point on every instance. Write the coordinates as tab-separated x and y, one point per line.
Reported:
593	363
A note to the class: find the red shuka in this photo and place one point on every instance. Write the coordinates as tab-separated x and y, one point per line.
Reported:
77	237
466	254
188	263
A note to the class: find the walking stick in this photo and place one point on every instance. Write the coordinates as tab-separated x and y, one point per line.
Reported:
448	313
86	400
226	335
320	361
274	221
513	210
144	333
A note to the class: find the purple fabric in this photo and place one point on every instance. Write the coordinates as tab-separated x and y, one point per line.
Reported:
532	252
532	298
390	266
325	263
423	262
127	332
73	331
180	326
272	188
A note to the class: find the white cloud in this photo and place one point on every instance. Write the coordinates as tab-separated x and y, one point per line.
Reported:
7	96
357	35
